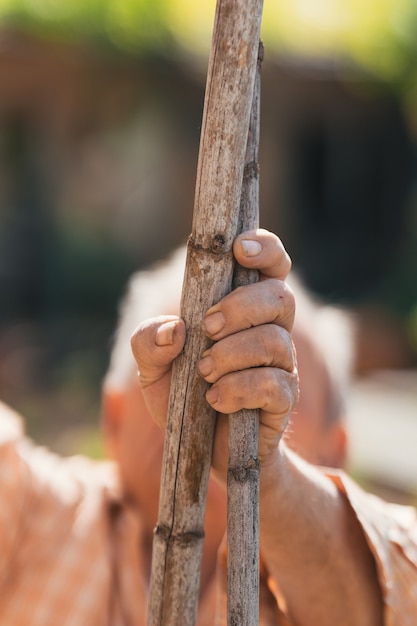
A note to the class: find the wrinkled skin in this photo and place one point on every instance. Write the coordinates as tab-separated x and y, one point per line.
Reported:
252	363
306	525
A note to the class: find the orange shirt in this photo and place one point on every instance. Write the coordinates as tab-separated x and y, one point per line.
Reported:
70	551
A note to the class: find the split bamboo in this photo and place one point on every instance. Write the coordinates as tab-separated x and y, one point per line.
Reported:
243	471
178	537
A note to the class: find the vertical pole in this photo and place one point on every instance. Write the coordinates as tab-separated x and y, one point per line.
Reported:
178	537
243	470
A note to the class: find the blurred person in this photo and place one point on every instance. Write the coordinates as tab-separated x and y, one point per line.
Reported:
76	541
323	336
324	339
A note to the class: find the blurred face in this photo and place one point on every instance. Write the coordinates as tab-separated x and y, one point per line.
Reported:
136	443
309	433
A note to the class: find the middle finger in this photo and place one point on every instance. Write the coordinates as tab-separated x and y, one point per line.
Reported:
267	302
264	346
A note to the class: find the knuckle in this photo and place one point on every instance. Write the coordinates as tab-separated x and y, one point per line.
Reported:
277	347
286	295
282	259
280	391
284	304
286	261
137	342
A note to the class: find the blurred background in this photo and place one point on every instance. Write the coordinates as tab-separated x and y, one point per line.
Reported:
100	114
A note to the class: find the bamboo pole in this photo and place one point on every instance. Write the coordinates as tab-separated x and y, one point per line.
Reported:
178	536
243	471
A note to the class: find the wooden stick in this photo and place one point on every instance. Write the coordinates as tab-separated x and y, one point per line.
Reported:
179	533
243	471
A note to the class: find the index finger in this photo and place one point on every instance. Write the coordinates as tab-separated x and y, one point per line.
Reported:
262	250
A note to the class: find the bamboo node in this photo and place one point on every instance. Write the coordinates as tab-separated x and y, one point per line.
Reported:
216	246
243	473
219	241
185	538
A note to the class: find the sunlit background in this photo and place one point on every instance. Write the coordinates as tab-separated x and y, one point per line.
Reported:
100	113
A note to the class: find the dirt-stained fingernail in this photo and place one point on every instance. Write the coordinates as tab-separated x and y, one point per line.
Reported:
214	323
212	396
165	334
251	247
205	366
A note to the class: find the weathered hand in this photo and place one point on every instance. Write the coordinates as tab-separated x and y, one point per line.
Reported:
252	362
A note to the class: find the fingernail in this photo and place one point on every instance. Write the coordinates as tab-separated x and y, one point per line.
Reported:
251	247
212	396
205	367
165	334
214	323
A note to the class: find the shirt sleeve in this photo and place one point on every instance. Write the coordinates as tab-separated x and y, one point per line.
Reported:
391	533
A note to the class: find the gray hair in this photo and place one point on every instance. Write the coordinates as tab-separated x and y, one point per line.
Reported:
330	331
157	290
149	293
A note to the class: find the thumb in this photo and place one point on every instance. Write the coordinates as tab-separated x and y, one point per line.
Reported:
155	344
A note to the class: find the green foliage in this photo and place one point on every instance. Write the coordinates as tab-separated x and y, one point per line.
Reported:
132	25
377	34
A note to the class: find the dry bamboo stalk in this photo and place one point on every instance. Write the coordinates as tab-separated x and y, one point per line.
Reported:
243	472
179	532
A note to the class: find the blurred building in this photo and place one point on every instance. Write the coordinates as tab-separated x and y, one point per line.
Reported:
98	154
